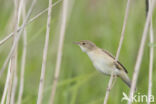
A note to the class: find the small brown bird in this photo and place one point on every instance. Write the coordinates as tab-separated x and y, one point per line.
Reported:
103	61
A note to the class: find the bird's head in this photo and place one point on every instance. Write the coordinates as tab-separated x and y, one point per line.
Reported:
86	45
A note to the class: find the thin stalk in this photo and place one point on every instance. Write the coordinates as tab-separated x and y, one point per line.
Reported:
119	48
44	60
13	59
31	20
140	52
17	38
15	80
108	89
23	58
151	58
14	86
60	48
6	84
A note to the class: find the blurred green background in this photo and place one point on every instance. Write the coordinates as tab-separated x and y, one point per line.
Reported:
99	21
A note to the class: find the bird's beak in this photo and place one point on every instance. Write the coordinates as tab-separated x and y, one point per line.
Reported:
78	43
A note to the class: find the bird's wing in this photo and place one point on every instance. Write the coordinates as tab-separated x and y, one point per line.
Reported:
117	64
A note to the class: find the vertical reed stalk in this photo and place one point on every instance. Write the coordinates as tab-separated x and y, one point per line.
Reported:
140	52
151	58
44	60
17	39
6	84
13	60
60	48
21	87
119	48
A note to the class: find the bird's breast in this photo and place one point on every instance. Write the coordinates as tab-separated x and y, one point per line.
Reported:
102	63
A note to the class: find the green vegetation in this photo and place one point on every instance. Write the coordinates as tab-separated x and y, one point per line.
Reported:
79	83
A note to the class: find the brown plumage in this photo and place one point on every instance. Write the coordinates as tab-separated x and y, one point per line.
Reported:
103	61
116	63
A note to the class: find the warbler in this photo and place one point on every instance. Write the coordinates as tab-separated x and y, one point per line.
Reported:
103	61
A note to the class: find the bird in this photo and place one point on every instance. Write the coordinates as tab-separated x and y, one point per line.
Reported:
103	61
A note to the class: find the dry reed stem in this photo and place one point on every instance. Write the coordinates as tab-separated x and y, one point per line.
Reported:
43	11
21	87
140	52
6	38
108	89
17	39
10	85
123	30
13	59
60	48
44	60
31	20
119	48
151	58
151	62
14	86
6	84
8	101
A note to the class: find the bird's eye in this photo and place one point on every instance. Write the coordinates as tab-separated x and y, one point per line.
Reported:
83	43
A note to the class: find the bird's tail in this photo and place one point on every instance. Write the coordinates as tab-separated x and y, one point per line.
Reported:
125	78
